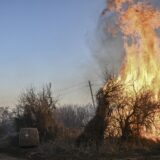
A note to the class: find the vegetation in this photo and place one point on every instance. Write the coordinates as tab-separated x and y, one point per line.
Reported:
130	112
120	114
80	132
36	109
74	116
6	121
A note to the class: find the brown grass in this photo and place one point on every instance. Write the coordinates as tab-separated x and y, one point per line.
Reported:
66	150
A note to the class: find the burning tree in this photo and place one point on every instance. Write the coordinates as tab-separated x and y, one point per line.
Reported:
138	23
121	114
130	104
130	112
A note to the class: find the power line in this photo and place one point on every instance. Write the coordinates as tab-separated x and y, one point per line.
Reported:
79	86
71	87
72	90
75	87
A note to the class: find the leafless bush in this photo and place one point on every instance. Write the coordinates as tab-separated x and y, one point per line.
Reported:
36	109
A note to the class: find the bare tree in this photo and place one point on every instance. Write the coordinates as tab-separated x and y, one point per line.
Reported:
74	116
36	109
130	111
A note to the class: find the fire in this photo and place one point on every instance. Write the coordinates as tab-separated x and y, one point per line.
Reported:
139	24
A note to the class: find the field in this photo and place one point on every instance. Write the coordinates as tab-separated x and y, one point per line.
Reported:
68	151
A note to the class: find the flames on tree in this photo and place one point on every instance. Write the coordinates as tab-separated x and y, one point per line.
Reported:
139	23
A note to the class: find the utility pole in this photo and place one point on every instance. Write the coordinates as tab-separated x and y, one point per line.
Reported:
90	86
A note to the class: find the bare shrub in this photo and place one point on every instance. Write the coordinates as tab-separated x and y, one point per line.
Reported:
36	109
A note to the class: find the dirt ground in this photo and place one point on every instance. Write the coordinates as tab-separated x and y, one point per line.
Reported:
6	157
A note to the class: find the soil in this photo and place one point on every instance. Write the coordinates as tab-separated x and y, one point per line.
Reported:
6	157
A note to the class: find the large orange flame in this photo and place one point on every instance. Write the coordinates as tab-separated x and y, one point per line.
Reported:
139	23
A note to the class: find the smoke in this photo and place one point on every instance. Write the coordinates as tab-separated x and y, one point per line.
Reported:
107	47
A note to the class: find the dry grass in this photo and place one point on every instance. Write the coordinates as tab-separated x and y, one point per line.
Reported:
66	150
62	150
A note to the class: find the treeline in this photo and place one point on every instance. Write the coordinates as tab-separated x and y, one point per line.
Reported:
39	109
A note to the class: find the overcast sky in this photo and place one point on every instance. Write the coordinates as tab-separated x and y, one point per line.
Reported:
46	41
